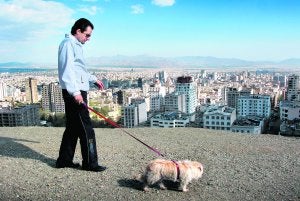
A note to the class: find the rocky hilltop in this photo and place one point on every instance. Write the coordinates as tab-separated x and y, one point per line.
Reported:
236	166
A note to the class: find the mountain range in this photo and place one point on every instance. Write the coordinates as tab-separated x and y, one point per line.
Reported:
187	61
170	62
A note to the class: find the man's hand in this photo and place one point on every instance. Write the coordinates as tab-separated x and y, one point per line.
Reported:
78	99
99	84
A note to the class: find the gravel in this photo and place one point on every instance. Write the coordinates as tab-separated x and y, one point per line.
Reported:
236	166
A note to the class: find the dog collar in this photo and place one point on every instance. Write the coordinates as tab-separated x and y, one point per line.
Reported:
177	168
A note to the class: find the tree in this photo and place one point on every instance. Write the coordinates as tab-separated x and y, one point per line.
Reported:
59	120
104	110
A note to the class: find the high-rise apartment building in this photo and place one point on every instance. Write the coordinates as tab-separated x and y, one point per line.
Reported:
203	74
121	97
157	90
142	100
130	116
187	86
31	90
230	95
134	114
140	83
3	91
162	76
293	88
175	102
157	94
145	89
52	99
281	80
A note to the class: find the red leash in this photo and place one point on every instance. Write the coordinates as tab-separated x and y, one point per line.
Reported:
114	124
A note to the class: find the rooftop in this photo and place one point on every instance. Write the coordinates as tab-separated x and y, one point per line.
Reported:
221	110
171	116
10	110
185	79
248	121
236	166
291	104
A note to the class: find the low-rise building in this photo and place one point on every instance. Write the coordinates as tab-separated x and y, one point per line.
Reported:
254	105
290	127
19	116
169	120
289	110
249	124
200	110
219	117
290	118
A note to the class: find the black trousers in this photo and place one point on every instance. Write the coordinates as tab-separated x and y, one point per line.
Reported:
78	125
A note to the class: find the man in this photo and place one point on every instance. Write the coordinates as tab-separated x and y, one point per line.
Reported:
74	80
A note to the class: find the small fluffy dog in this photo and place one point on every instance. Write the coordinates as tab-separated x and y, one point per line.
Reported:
181	171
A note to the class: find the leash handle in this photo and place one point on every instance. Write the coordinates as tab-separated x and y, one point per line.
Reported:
111	122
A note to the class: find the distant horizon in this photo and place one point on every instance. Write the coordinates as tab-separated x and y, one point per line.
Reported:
251	30
124	64
151	56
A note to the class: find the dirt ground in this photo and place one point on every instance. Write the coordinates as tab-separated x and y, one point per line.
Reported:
236	166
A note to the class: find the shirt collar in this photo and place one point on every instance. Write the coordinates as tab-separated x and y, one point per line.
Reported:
73	39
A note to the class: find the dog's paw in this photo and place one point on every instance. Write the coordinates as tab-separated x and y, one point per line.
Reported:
146	189
185	190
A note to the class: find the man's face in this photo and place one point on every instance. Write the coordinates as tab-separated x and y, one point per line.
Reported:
85	35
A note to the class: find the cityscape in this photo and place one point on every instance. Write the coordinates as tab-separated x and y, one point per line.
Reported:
183	83
222	65
261	101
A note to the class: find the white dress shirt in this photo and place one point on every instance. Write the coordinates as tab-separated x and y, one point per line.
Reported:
72	71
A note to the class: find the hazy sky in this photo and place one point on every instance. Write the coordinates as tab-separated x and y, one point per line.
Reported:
31	30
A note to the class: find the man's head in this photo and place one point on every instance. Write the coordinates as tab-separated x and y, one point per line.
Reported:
82	30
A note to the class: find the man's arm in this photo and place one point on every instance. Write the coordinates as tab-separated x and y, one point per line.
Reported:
98	83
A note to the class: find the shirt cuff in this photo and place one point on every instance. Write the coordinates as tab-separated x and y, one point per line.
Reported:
93	78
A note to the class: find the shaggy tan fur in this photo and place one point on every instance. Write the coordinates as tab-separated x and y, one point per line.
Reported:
160	169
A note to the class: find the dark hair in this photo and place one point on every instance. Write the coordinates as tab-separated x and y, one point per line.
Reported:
81	24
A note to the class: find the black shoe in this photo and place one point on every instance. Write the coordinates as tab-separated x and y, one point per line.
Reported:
68	165
95	169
